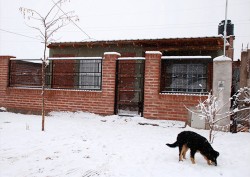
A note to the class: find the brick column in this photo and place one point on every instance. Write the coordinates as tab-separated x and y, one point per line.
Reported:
108	79
152	83
4	74
4	71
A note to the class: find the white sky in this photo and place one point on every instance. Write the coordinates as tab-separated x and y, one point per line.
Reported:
124	19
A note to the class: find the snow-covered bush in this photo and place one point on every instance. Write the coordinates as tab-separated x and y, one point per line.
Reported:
241	110
210	110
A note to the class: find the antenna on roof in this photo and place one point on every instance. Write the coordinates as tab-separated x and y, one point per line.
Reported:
225	31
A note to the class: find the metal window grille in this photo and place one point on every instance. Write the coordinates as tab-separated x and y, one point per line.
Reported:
90	74
25	74
184	77
60	74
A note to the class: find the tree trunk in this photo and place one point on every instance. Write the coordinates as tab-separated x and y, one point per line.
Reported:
43	101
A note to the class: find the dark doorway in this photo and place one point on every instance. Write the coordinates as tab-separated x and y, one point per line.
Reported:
129	87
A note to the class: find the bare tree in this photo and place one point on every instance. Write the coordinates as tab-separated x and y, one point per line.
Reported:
47	25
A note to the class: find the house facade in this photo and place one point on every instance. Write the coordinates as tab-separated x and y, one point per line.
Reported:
155	78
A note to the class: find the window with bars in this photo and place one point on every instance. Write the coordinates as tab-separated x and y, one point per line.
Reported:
184	76
90	74
67	73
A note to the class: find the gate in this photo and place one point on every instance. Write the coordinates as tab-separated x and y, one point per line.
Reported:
129	87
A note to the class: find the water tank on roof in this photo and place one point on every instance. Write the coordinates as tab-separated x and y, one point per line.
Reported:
229	29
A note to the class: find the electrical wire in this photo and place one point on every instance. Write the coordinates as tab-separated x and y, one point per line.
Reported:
72	20
19	34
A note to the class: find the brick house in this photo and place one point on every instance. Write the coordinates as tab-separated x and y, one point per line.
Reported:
154	78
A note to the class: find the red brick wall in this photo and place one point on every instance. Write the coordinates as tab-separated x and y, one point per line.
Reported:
156	105
163	106
29	100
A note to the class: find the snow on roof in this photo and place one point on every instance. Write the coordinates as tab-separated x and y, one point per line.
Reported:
153	52
112	53
89	41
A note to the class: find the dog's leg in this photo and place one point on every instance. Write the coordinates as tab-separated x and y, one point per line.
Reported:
209	162
192	153
185	151
180	152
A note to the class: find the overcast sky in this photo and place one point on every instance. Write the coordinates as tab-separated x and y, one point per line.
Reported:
123	19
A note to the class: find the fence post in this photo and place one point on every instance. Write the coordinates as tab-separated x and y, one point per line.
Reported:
152	83
4	71
108	79
222	82
4	77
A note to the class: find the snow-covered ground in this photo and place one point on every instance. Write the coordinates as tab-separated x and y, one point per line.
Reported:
85	145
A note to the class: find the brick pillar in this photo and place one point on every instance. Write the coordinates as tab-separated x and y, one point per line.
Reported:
152	83
4	74
108	79
222	83
4	71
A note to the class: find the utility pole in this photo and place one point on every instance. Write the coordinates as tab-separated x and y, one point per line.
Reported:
225	30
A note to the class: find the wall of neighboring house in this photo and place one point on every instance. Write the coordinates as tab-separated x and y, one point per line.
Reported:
245	69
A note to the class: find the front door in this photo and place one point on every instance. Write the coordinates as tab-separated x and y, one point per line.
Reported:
129	87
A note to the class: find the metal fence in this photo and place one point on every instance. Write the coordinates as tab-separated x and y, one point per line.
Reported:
85	74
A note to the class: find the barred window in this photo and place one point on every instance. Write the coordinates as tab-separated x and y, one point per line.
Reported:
184	76
61	73
90	74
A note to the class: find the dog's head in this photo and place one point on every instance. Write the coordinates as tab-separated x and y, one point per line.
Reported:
212	157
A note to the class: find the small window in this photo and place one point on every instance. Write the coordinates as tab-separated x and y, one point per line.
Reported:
184	76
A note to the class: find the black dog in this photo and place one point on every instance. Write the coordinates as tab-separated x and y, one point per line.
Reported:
196	142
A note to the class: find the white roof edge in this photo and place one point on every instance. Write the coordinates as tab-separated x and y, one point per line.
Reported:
26	59
153	52
74	58
186	57
37	61
112	53
131	58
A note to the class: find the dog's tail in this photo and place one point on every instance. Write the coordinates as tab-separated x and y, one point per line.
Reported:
173	145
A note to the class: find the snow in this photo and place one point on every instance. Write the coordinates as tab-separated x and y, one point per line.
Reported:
186	57
153	52
222	58
75	58
131	58
112	53
84	144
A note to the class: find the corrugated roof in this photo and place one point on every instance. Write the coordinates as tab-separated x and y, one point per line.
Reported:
218	38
